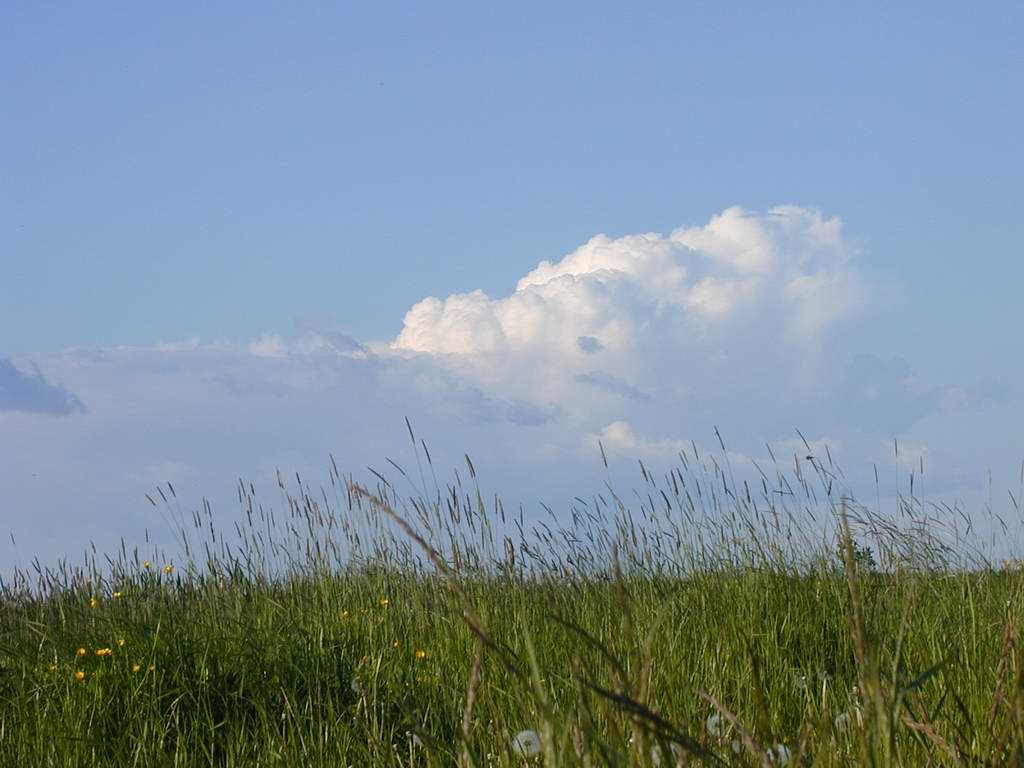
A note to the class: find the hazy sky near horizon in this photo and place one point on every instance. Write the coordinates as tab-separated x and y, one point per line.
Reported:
236	237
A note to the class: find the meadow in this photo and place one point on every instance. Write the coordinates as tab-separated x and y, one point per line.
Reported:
700	620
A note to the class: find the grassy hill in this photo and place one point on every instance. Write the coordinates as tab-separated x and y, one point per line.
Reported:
702	625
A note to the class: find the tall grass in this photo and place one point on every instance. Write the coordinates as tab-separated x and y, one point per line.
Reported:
701	620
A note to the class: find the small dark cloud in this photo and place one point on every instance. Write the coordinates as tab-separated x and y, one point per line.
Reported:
341	343
529	415
472	405
613	384
589	344
32	393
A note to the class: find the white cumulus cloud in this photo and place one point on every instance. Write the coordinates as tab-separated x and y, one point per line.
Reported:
783	276
735	261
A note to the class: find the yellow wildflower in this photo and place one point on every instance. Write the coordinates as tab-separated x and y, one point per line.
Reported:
152	668
168	569
395	643
421	654
384	602
120	643
93	602
117	595
136	668
80	652
344	615
104	651
79	675
146	564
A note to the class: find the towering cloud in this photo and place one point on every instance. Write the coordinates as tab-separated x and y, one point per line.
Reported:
790	257
622	314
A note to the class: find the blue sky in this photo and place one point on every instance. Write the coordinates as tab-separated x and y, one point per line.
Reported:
219	214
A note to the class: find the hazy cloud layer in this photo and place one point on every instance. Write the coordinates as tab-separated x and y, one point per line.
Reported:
644	343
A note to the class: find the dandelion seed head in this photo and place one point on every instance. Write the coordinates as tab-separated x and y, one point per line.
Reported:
656	753
714	724
779	755
526	743
416	740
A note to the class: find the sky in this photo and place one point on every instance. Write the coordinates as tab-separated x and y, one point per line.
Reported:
241	237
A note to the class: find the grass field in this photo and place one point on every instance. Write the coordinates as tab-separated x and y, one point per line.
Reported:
699	622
